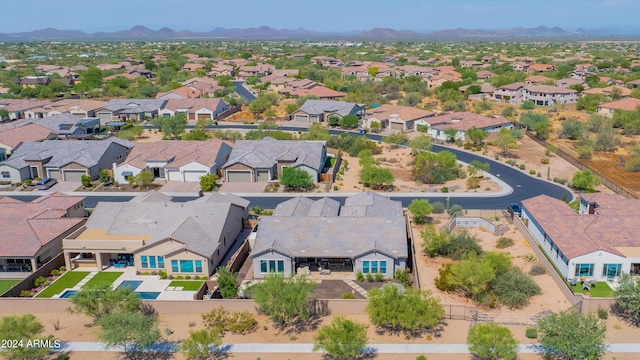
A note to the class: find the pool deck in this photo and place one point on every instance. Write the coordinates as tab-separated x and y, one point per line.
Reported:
150	283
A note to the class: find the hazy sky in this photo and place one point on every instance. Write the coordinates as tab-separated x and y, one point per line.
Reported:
320	15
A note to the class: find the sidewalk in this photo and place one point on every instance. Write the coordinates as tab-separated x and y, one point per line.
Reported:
263	348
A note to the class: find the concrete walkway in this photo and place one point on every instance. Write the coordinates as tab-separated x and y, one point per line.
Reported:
263	348
356	287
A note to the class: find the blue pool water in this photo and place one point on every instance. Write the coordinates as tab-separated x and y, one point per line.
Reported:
68	294
133	284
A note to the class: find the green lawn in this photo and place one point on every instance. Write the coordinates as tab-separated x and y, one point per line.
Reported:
187	285
599	290
66	281
102	278
6	285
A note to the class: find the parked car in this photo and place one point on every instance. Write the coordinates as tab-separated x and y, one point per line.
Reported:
46	183
514	209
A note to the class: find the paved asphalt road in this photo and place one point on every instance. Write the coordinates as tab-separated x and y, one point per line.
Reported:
524	186
243	92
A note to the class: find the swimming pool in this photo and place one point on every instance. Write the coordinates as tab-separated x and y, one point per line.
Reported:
133	284
144	295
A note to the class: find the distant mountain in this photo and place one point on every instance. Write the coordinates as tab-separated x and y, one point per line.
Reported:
141	33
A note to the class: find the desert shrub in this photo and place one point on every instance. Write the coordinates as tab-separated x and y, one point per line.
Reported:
511	162
62	268
162	274
531	332
241	322
404	277
602	313
537	269
55	272
378	277
444	189
544	161
504	242
560	180
347	295
370	277
523	166
40	281
438	207
467	145
441	281
473	182
514	288
532	172
187	277
25	293
461	242
257	210
529	258
454	209
359	276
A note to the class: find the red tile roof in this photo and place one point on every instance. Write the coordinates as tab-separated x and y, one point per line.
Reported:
622	104
26	237
462	121
30	132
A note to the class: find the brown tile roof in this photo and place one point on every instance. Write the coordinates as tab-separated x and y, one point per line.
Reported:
577	235
179	152
534	79
462	121
607	90
622	104
30	132
192	104
319	91
27	236
406	113
13	105
50	206
9	200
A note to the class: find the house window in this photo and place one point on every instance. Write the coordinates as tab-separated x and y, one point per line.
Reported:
160	262
145	263
198	266
374	267
272	266
610	270
186	266
584	269
174	266
152	262
6	175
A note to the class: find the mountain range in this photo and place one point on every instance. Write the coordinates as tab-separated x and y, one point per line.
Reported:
142	33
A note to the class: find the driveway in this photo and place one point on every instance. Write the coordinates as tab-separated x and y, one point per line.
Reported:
63	186
243	187
180	187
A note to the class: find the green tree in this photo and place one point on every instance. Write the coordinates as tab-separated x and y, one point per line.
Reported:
4	114
284	300
132	331
22	328
86	180
506	141
572	336
492	342
291	108
530	119
476	135
527	105
542	130
296	179
590	102
199	131
395	139
333	120
197	345
411	310
316	132
628	299
572	128
514	288
350	121
472	275
376	176
375	126
584	180
509	112
208	182
102	299
450	133
143	178
228	283
420	144
342	339
420	208
477	165
172	126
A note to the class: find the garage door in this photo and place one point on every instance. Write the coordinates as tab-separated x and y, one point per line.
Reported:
73	175
194	175
204	116
54	174
174	175
302	118
105	117
263	175
397	126
239	176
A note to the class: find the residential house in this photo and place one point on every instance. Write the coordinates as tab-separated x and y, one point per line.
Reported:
191	67
567	83
413	70
33	81
366	235
437	80
153	233
486	91
32	232
628	104
606	91
18	107
67	126
541	67
112	67
520	66
599	243
321	92
318	110
403	118
11	138
634	84
130	109
174	160
203	108
546	95
537	80
259	70
462	121
485	75
80	107
221	70
511	93
64	160
471	64
581	74
264	160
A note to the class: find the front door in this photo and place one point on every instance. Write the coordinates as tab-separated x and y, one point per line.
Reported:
156	172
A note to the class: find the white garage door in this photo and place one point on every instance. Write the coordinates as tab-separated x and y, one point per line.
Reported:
174	175
105	117
302	118
194	175
55	174
239	176
73	175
